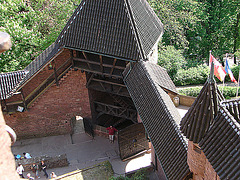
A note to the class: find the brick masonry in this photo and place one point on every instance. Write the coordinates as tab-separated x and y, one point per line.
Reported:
53	112
199	164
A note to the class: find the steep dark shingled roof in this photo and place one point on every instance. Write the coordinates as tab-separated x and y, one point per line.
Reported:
160	76
41	61
9	82
233	107
200	115
221	145
159	117
125	29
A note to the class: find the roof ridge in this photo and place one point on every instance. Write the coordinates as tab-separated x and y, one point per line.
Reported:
133	23
58	40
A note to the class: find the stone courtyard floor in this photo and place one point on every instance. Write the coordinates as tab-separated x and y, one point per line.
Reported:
82	151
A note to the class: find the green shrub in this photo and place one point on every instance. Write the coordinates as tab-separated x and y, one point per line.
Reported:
228	92
194	75
171	59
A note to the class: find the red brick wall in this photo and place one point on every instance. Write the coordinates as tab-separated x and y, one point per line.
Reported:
158	166
41	76
199	164
52	112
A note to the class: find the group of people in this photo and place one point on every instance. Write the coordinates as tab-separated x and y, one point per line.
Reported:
35	169
25	156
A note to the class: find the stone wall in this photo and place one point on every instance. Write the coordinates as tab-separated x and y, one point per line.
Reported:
53	111
186	100
51	162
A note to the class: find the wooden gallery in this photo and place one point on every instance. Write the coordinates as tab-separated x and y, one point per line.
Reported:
103	68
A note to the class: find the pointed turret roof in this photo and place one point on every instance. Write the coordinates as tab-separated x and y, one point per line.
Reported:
200	116
221	145
125	29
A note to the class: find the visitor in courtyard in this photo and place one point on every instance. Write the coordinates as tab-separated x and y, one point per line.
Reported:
27	155
20	170
44	168
53	175
30	177
111	131
35	169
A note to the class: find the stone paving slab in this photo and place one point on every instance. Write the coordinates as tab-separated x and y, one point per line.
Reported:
82	152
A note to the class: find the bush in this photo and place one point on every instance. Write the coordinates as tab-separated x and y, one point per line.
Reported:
228	92
170	59
194	75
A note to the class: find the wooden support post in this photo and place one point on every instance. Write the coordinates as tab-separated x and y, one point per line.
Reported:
114	62
5	104
72	57
101	63
55	73
85	56
89	80
24	101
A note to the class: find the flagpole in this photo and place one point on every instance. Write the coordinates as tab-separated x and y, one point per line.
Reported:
238	83
225	76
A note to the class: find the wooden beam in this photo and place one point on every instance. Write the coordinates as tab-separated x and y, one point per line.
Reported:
108	82
98	63
88	63
101	63
55	73
102	86
23	98
97	72
114	62
89	80
72	57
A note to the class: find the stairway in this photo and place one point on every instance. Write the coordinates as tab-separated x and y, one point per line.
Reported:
39	91
121	102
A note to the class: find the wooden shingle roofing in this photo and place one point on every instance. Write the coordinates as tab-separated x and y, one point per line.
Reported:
126	29
9	82
221	145
159	117
200	115
40	61
233	107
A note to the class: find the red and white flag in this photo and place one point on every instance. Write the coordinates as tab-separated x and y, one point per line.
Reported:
219	71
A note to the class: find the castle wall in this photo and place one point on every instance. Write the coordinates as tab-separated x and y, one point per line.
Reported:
199	165
54	110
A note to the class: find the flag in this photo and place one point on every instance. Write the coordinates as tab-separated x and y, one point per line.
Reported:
219	71
228	70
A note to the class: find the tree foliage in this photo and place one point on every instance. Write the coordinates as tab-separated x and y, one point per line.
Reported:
171	59
33	25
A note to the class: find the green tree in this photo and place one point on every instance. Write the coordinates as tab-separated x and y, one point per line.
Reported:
33	25
171	59
177	17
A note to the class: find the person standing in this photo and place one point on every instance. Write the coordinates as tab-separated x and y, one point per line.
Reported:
111	131
35	169
44	168
20	170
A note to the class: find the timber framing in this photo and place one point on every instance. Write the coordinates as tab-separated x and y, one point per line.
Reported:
117	111
99	64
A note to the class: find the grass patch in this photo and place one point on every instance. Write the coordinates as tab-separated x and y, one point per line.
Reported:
97	172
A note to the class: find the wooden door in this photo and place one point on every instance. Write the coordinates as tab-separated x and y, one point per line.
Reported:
132	140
